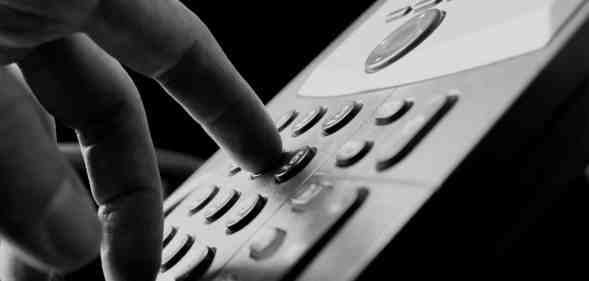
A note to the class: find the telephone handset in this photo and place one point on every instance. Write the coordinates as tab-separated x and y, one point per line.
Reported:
422	133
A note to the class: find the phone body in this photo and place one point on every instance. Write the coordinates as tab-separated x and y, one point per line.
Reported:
429	133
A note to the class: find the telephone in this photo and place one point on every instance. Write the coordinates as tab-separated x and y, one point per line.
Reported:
431	132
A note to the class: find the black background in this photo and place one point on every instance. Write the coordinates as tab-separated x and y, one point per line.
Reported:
268	42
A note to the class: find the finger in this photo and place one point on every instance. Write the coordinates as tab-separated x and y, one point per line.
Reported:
165	40
12	268
45	214
88	90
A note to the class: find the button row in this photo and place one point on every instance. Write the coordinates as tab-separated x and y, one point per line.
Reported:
396	147
215	201
184	257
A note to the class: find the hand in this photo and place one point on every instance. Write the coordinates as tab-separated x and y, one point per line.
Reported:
68	54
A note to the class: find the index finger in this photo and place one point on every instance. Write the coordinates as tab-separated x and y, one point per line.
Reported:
166	41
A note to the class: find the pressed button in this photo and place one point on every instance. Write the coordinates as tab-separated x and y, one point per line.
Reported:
302	199
286	119
413	131
200	198
351	152
403	39
266	242
194	264
297	162
391	111
169	233
397	14
424	4
222	203
175	250
246	210
341	118
308	121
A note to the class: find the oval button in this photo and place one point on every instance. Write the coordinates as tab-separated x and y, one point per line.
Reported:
403	39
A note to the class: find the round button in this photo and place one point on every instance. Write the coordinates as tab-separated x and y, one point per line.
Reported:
341	118
224	201
245	211
286	119
297	162
266	242
391	111
351	152
308	121
403	39
200	198
169	233
175	250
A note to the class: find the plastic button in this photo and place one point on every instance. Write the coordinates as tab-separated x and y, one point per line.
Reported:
308	121
200	198
169	233
194	264
286	119
175	250
341	118
391	111
266	242
424	4
297	162
397	14
403	39
351	152
246	210
302	199
222	203
413	131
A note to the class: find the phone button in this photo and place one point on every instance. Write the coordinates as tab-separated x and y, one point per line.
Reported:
175	250
352	152
413	131
341	118
200	198
286	119
266	242
391	111
297	162
305	196
403	39
247	209
222	203
194	264
169	233
308	121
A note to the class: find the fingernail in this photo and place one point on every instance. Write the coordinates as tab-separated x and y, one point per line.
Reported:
73	229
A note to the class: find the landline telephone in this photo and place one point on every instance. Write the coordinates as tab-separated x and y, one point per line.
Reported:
430	132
